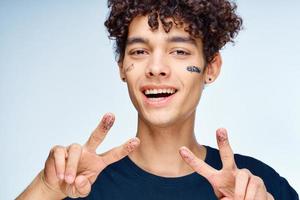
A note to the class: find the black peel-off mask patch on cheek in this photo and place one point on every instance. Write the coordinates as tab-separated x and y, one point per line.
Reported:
193	69
129	68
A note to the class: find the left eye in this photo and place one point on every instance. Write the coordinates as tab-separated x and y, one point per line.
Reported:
180	52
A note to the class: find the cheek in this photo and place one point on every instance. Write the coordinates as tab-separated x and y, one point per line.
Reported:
195	86
194	69
191	80
129	68
133	68
133	75
189	74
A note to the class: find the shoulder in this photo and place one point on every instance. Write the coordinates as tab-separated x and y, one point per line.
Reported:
274	183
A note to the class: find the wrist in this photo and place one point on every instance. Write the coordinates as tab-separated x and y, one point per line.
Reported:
39	189
47	189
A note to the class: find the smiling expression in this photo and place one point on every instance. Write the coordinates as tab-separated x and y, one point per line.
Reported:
159	85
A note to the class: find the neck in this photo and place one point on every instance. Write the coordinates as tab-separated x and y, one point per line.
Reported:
158	152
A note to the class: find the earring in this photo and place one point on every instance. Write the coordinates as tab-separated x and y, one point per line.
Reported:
209	79
123	79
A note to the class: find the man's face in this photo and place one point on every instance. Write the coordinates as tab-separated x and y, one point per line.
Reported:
155	65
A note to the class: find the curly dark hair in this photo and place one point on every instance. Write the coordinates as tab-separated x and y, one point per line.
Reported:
214	21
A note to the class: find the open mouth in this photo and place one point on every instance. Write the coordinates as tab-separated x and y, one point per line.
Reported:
156	94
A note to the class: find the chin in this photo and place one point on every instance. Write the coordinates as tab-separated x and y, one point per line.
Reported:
160	118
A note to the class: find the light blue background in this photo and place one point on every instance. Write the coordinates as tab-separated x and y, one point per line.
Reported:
58	77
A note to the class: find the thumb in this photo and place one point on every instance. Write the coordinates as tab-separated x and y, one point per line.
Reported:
82	185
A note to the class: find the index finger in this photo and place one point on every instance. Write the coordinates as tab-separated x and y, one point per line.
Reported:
226	152
100	132
200	166
120	152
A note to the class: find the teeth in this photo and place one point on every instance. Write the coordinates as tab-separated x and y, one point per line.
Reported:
159	91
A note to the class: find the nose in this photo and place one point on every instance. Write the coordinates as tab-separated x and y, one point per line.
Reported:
157	67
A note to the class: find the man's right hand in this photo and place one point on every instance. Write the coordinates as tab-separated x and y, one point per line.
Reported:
73	169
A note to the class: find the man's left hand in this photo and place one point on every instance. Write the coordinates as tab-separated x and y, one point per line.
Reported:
230	182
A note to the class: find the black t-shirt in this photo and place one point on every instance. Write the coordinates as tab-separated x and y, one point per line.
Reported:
124	180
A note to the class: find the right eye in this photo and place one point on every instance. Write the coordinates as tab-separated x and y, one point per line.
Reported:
137	52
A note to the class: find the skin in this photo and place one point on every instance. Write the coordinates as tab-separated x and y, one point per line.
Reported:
167	144
71	171
156	55
129	68
159	60
229	182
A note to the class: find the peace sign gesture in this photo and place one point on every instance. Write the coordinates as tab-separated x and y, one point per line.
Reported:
70	171
229	183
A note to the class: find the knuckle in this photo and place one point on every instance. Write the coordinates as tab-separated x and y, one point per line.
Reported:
214	180
244	172
115	155
190	159
57	150
239	195
194	162
127	148
54	148
257	181
70	170
102	162
85	193
75	147
227	156
97	136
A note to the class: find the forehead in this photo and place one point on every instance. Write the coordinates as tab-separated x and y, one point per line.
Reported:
139	32
139	27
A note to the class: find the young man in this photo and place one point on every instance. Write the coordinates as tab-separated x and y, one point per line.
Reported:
167	52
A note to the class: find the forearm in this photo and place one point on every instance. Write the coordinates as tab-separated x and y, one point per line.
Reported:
39	190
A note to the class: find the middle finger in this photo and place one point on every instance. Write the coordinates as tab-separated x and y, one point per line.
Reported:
74	154
241	184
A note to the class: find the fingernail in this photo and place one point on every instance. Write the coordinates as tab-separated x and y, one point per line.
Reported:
61	176
133	142
82	183
184	153
221	135
69	178
108	121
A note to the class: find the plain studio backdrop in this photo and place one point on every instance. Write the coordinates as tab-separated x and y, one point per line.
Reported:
58	76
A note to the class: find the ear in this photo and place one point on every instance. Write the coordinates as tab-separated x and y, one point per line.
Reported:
213	68
121	71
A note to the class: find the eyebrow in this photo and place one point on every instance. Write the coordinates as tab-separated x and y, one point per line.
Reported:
174	39
177	39
134	40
